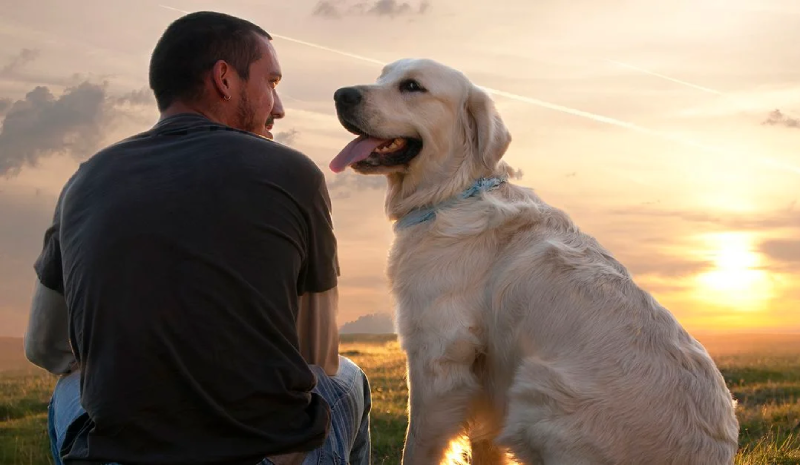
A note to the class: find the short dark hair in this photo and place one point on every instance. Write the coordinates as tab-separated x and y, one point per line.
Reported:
192	44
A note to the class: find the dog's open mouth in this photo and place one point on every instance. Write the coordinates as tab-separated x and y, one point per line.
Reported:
366	152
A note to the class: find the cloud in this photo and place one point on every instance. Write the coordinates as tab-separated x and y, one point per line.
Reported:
778	218
782	250
662	265
5	105
386	8
327	9
24	57
783	253
143	96
287	137
74	124
423	7
777	118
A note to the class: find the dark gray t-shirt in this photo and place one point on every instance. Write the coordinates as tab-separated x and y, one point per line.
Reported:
181	252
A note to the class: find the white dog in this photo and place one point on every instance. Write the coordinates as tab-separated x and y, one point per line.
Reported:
518	326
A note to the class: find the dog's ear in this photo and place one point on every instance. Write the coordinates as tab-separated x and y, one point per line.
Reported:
487	135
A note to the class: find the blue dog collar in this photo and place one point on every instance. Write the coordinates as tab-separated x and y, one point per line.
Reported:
421	215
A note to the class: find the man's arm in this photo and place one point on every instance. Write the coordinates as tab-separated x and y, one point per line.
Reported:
318	292
317	331
47	337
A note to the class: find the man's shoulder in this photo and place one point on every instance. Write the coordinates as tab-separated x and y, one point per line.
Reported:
254	152
279	151
259	153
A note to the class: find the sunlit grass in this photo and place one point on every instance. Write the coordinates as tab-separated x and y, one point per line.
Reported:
764	377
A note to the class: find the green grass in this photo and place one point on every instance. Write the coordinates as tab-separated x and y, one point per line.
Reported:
24	396
764	379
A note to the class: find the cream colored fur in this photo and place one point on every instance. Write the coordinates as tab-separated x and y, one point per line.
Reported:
518	325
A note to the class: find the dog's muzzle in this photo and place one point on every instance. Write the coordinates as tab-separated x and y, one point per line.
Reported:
347	98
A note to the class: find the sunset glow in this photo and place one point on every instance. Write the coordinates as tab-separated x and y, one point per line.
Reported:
736	279
668	131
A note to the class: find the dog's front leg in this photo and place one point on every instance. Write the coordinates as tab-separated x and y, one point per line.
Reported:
441	387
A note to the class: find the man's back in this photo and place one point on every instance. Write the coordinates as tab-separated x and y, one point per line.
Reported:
183	252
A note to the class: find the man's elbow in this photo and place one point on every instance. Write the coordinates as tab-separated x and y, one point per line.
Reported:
43	357
36	353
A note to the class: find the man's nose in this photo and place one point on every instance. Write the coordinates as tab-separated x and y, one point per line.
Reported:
277	108
347	96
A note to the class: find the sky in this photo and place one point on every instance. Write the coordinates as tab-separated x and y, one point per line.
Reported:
667	130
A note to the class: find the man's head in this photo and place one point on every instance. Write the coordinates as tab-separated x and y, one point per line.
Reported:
221	66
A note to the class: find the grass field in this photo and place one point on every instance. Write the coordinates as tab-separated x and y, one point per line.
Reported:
763	373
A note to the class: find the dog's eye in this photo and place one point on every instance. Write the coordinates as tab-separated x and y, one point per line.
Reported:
410	85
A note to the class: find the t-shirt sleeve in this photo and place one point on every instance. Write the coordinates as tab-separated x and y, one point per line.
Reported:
48	264
321	270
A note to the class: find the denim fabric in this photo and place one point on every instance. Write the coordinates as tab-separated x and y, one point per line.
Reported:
347	393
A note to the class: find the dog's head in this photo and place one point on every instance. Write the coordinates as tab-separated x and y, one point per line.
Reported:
420	120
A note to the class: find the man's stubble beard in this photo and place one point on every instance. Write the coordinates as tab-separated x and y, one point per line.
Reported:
247	115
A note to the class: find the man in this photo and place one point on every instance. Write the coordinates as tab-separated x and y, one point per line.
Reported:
194	268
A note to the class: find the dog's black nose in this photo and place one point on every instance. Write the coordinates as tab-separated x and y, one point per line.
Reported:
347	96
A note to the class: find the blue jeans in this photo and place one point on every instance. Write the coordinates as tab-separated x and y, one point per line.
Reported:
347	393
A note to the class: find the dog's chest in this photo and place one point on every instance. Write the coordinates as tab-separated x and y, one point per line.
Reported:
426	266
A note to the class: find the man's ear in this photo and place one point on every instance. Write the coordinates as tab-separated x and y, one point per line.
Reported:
487	135
221	74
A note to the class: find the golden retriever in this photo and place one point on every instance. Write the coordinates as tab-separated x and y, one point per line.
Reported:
519	328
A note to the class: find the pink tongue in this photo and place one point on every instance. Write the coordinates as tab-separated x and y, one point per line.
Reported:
357	150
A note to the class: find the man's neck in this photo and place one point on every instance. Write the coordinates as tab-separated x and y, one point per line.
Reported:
178	108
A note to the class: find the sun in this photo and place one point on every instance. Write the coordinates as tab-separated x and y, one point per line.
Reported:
737	279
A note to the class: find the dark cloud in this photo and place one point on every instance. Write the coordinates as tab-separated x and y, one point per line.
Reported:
782	250
780	218
662	265
423	7
73	124
346	184
384	8
287	137
24	57
5	105
777	118
389	8
143	96
327	9
685	215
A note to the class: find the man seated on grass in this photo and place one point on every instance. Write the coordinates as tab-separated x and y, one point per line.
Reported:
192	271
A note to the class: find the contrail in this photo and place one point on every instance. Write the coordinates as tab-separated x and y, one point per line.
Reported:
555	107
683	83
328	49
174	9
652	73
303	42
